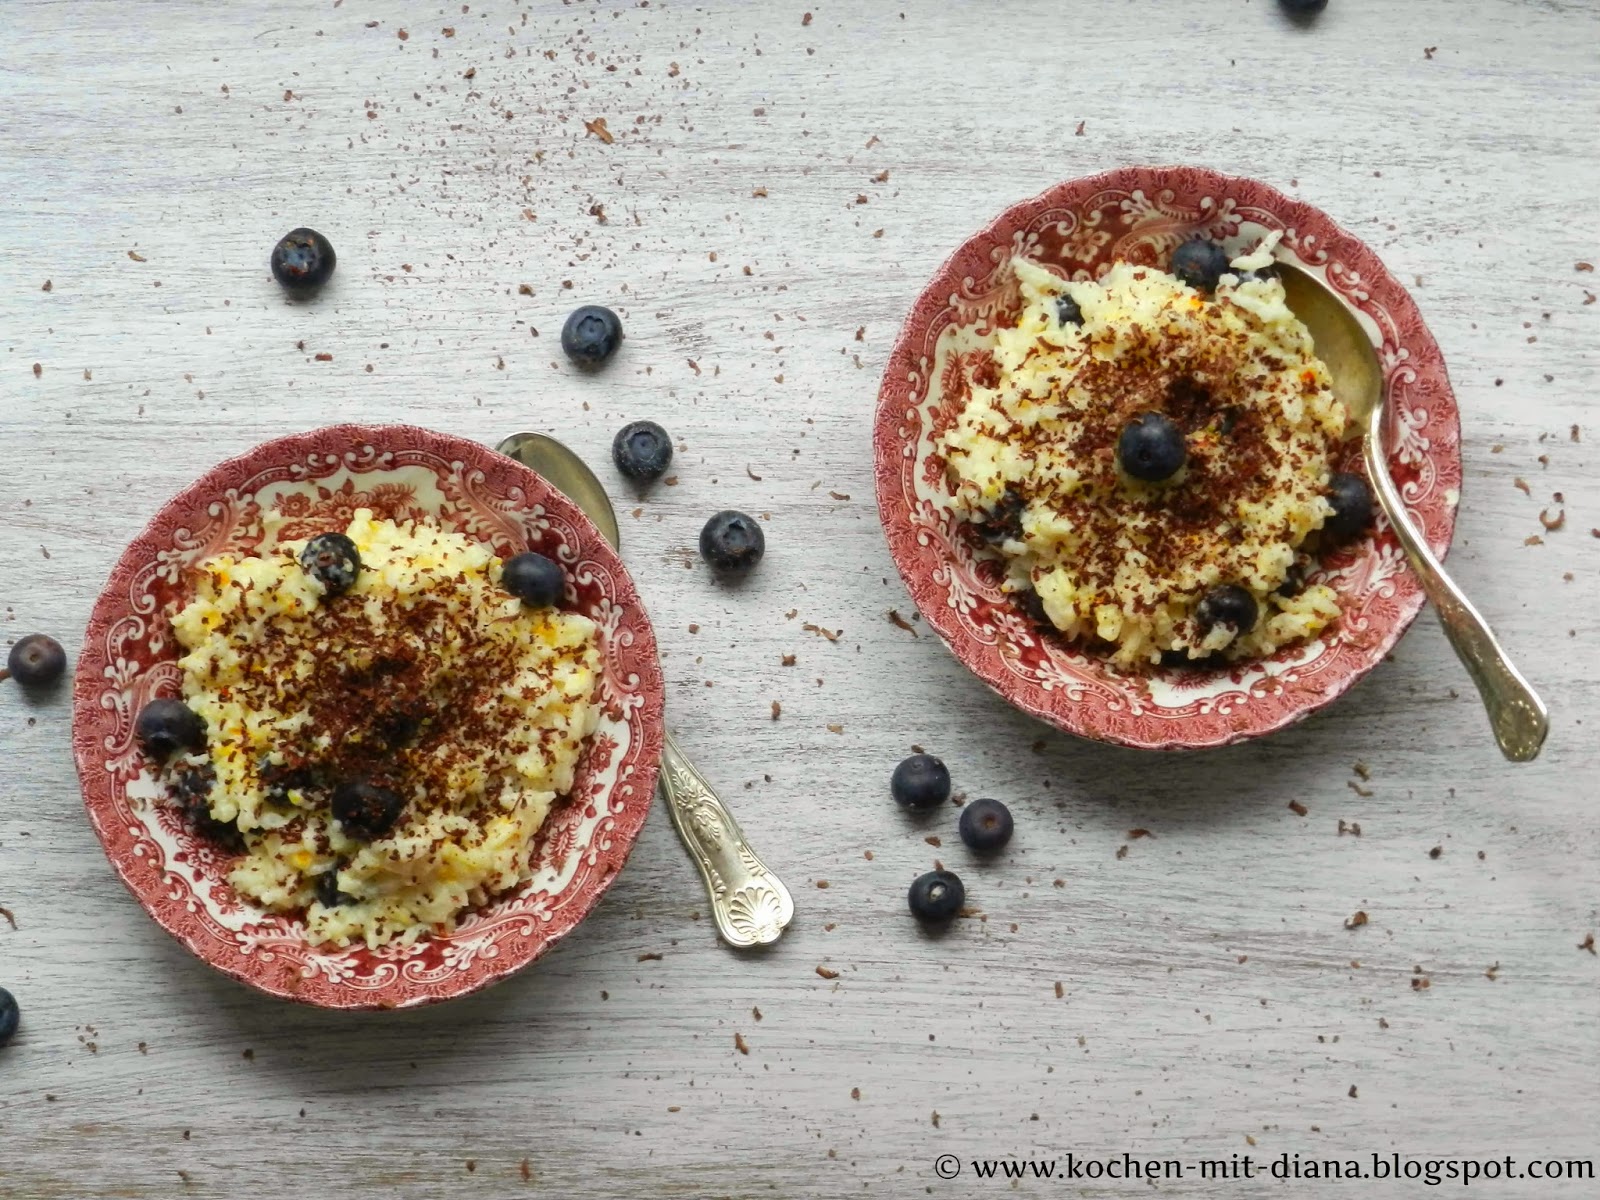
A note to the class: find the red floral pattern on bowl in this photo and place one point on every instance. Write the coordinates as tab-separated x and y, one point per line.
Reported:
310	483
1079	228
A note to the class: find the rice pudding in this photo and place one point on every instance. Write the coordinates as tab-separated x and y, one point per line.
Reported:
1153	462
383	748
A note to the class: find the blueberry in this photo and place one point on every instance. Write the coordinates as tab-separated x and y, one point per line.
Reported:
986	825
1152	448
1200	264
1294	582
921	781
937	896
10	1016
333	561
1227	604
534	579
1352	505
1179	660
1067	310
1303	8
1004	521
36	660
166	726
366	811
591	335
642	450
327	888
732	541
303	260
192	786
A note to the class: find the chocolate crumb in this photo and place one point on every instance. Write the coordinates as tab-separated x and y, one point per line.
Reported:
1552	523
1060	991
827	972
740	1044
1357	920
1352	1092
7	914
1587	944
525	1170
1297	808
934	840
855	1093
1136	834
1522	485
822	883
651	957
777	710
1122	850
598	128
900	622
1436	852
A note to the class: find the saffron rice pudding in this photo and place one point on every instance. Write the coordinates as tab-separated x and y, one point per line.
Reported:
377	720
1155	460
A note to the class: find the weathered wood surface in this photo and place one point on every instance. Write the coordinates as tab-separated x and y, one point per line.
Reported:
1211	992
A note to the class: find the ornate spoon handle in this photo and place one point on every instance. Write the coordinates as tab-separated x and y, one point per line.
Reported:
1517	716
748	902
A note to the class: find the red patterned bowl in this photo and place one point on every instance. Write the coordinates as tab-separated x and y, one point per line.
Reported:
1079	228
129	656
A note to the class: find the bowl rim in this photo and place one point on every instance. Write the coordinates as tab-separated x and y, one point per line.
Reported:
889	461
645	717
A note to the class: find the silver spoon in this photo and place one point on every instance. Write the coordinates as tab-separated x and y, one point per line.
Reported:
1518	717
748	902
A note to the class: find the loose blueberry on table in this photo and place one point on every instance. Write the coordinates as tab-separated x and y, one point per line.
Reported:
36	661
333	561
642	450
166	726
1303	8
1352	506
937	896
1151	447
591	335
986	825
366	811
303	260
534	579
10	1016
920	782
1200	264
732	542
1227	604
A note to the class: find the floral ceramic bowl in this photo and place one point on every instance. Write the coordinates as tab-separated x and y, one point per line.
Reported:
316	480
1079	228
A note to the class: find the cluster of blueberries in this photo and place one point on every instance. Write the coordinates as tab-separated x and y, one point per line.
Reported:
731	541
921	783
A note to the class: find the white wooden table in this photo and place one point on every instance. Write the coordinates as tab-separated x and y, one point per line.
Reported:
774	192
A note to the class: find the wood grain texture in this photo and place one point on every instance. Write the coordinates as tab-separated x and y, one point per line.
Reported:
1210	992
